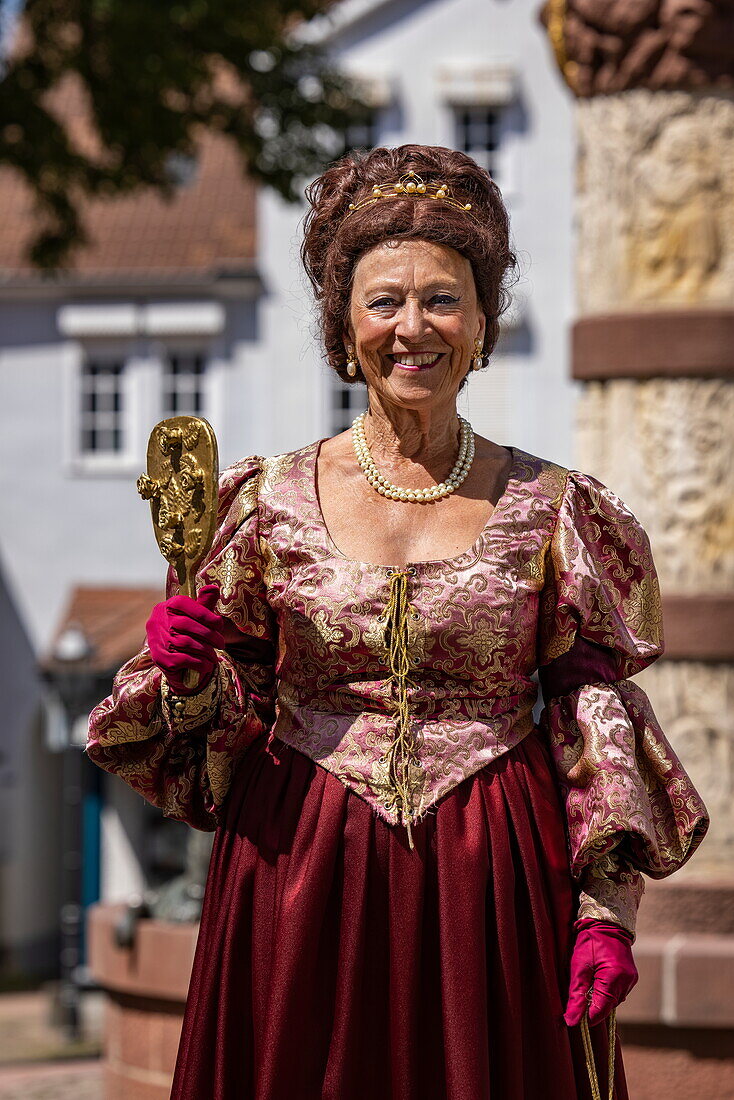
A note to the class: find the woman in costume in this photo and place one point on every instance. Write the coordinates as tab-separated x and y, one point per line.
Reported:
413	885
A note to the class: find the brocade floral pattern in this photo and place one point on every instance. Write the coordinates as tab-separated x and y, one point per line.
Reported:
308	661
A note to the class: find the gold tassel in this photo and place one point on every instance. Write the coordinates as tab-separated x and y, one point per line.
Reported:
401	752
589	1051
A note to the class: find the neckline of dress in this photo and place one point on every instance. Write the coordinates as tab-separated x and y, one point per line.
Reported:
472	552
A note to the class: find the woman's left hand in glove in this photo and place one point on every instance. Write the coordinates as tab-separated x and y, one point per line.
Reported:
601	961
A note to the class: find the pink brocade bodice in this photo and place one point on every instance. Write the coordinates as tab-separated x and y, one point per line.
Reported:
470	625
404	682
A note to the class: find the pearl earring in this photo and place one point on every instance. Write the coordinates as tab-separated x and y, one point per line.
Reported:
478	357
352	363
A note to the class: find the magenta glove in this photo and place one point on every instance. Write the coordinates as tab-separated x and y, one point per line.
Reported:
602	958
185	634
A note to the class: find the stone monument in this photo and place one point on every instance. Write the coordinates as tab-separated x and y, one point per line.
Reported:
653	350
653	344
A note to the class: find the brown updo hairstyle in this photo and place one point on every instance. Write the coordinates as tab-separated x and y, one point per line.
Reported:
333	243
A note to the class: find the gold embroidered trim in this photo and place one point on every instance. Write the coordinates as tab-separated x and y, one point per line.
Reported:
405	778
611	891
188	712
225	571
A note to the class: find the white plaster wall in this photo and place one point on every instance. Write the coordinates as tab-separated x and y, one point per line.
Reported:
122	842
31	875
61	526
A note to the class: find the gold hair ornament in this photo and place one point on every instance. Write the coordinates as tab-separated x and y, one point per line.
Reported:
409	186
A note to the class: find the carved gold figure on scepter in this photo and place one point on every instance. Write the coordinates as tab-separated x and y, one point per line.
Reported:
181	485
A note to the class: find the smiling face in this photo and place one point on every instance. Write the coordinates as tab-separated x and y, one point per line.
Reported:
414	319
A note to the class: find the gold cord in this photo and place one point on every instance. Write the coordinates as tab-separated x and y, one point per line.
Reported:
588	1050
401	753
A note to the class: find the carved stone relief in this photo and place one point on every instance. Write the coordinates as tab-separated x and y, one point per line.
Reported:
666	446
655	200
655	219
694	702
607	46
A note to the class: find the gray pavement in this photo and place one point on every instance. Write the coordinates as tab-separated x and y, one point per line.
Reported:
37	1062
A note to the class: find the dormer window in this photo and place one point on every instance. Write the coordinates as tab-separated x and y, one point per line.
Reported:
102	407
478	134
183	383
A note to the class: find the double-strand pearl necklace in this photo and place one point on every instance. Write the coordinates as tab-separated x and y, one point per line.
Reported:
461	468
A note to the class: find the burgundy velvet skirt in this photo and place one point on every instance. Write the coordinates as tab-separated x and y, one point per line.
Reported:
334	963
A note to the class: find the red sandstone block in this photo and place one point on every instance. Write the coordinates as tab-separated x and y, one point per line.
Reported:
112	1085
685	980
145	1037
644	1003
158	965
167	956
122	1086
111	1031
665	1072
136	1041
704	981
169	1035
683	903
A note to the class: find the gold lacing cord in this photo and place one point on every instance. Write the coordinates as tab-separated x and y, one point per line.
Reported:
401	752
588	1050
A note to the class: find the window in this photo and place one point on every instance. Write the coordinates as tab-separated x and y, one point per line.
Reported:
102	407
183	383
478	134
347	401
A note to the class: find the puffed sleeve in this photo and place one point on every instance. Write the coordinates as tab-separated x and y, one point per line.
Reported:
631	808
183	762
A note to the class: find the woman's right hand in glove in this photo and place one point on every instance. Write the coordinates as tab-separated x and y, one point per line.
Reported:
185	633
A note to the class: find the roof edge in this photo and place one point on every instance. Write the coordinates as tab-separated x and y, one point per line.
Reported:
227	282
342	17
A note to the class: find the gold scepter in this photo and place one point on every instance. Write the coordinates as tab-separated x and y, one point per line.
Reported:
181	484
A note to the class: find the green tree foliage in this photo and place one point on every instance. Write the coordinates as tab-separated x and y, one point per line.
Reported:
155	72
